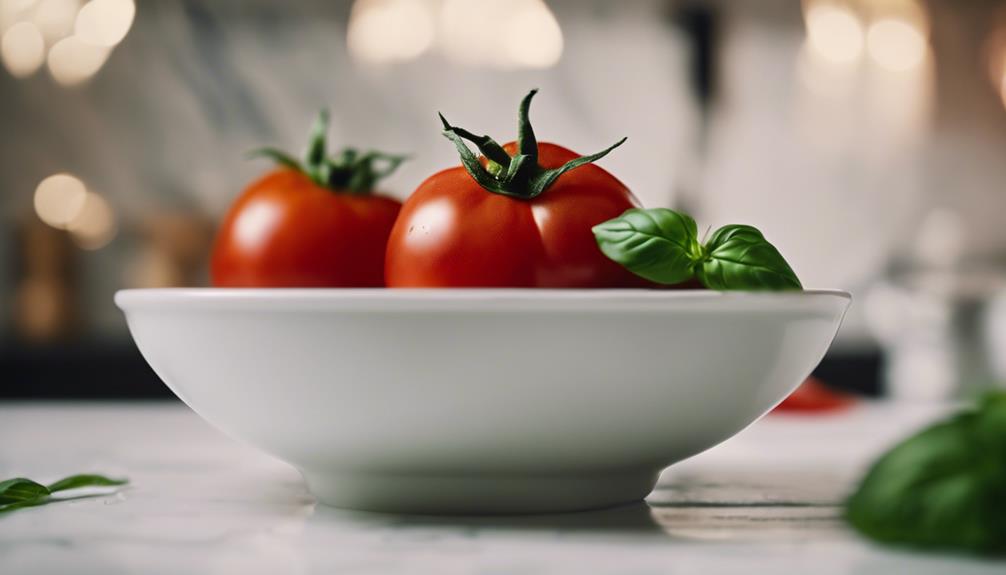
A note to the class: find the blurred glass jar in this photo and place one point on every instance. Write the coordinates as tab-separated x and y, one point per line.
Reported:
933	317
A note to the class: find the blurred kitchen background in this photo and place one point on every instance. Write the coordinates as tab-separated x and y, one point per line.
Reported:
867	138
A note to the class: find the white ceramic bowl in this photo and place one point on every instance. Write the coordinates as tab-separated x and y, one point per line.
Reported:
481	401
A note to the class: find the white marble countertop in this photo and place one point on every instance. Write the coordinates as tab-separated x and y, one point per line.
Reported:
766	501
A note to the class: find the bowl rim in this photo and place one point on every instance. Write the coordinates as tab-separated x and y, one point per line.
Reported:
421	299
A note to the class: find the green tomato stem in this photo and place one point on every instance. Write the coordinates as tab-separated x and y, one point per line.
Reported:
519	176
347	171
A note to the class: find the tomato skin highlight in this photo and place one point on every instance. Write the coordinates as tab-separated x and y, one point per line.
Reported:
286	231
453	233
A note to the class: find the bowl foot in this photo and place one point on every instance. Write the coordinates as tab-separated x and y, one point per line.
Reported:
478	494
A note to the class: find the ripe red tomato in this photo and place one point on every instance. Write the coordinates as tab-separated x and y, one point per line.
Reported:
455	231
286	231
814	396
314	224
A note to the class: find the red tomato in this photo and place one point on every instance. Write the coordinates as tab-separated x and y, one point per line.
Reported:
814	396
452	232
314	223
286	231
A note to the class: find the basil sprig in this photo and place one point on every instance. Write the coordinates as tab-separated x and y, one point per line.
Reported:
945	487
21	492
663	246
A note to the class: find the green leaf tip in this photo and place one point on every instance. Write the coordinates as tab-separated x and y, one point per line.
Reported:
85	480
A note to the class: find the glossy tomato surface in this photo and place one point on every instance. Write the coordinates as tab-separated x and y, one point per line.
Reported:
453	233
286	231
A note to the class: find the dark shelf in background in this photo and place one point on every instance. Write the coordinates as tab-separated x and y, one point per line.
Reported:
116	370
100	370
858	371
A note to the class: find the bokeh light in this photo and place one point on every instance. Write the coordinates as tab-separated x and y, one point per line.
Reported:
834	31
22	49
59	199
995	54
79	36
72	61
64	202
1002	86
382	31
500	33
533	37
105	22
469	30
11	11
54	18
94	225
831	82
896	44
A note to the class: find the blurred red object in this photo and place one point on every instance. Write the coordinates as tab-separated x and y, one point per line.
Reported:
813	396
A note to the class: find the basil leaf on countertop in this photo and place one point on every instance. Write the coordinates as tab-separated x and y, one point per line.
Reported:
739	257
85	480
19	492
660	245
20	489
943	488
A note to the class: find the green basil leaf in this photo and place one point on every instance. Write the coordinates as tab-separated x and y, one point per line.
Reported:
20	489
992	425
945	487
27	503
19	492
739	257
658	244
84	480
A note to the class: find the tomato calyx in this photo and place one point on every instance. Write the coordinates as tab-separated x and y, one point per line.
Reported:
518	176
350	170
